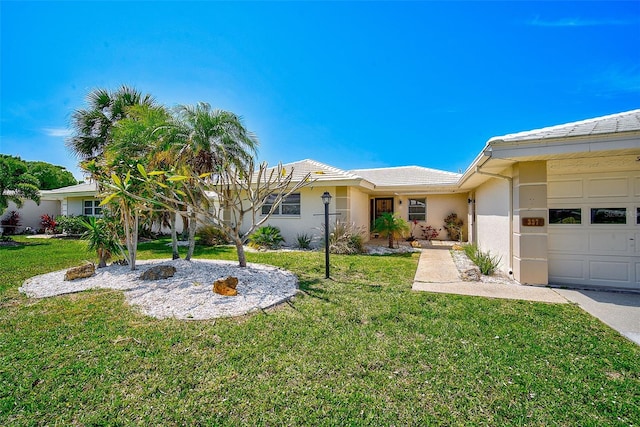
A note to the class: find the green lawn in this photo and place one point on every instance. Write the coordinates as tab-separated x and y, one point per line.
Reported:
361	349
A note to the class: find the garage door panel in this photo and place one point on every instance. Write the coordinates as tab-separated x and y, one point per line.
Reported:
637	186
616	271
571	189
607	187
568	242
563	269
608	243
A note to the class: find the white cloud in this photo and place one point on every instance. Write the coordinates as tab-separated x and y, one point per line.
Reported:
57	132
576	22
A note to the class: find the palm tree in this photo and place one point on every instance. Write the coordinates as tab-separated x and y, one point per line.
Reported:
211	141
391	226
92	126
101	239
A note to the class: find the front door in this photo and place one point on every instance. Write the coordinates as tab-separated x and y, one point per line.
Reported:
379	207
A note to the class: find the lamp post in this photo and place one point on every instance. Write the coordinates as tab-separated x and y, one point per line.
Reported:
326	199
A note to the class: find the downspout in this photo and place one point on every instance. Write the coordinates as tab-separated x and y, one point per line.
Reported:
510	181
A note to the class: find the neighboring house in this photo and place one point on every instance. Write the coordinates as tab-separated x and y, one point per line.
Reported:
559	205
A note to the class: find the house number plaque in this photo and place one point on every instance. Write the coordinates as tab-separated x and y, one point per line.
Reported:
533	222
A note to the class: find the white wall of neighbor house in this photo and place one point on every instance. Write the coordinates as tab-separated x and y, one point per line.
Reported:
492	219
31	212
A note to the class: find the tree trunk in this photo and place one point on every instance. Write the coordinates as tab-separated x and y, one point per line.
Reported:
242	258
192	235
174	236
390	240
102	257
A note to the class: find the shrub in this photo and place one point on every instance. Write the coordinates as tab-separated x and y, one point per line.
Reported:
48	223
345	239
71	224
487	263
304	241
429	233
211	236
453	225
10	223
267	237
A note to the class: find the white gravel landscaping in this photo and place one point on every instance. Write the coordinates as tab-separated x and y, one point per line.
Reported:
186	295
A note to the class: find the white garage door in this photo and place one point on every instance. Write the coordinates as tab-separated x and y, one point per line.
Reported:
594	231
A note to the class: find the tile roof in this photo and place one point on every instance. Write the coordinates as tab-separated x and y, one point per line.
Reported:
85	187
628	121
407	176
319	171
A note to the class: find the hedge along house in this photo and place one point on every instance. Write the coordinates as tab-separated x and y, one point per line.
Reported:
360	196
561	205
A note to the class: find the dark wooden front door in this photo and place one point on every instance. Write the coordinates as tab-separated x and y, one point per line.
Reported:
380	206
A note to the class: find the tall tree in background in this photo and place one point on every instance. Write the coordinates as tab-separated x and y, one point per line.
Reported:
51	176
16	184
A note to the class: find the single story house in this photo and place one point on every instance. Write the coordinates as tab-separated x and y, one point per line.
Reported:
558	205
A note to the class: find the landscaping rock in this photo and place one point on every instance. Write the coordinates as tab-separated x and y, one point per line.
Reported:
471	274
158	272
80	272
226	287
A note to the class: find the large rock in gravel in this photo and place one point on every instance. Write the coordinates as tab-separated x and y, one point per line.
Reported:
226	287
158	272
80	272
471	274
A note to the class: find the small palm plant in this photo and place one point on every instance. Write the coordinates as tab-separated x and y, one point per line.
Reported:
391	226
100	238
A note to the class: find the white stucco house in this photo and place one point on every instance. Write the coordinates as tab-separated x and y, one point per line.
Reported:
559	205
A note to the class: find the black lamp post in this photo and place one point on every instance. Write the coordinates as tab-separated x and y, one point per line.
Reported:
326	199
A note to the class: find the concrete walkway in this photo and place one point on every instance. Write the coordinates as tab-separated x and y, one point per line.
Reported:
437	272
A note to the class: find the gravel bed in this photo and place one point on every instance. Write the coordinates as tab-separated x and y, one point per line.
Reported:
186	295
463	263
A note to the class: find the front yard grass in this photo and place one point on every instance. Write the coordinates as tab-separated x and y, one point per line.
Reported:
360	349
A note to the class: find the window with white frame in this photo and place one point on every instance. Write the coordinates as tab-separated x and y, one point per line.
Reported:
92	208
289	206
418	209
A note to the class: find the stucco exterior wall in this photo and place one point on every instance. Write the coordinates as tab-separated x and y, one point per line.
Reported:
492	219
311	216
359	212
30	212
438	207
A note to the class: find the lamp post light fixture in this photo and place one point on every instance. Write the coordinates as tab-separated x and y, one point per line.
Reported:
326	199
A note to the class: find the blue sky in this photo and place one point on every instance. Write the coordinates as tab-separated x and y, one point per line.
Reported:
351	84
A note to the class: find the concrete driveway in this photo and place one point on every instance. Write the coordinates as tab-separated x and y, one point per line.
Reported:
619	310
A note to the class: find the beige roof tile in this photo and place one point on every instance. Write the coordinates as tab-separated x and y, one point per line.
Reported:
407	176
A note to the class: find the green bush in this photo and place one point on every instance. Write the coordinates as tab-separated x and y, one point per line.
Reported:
487	263
304	241
71	224
211	236
267	237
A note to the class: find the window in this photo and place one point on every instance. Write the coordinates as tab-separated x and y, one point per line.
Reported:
92	208
608	215
289	206
565	216
417	209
